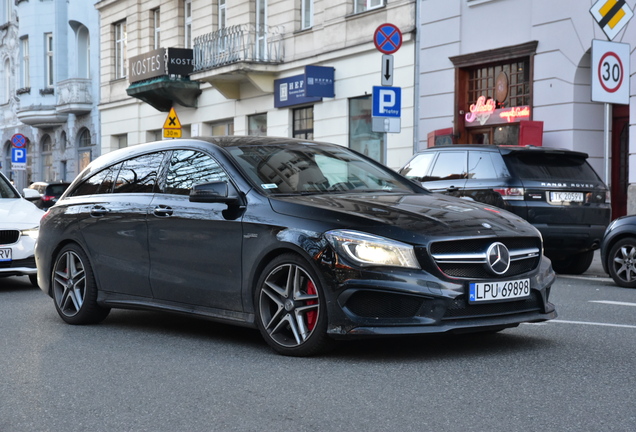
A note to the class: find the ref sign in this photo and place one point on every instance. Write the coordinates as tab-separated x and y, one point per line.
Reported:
387	101
610	72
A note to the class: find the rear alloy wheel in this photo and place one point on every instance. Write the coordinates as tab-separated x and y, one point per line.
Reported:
290	308
574	264
74	288
621	262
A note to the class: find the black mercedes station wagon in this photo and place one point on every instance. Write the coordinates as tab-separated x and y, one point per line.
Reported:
308	242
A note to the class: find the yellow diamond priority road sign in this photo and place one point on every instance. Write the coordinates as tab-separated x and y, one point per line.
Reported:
611	15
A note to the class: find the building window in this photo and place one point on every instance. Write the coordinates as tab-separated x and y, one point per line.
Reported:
304	123
306	14
6	85
49	60
257	125
120	49
187	23
47	159
222	15
365	5
83	53
156	28
361	135
122	141
25	80
261	30
222	128
84	150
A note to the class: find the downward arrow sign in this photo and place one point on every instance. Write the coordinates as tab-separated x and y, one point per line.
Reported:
387	70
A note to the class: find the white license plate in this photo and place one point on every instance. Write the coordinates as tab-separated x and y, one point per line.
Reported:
5	254
566	197
498	290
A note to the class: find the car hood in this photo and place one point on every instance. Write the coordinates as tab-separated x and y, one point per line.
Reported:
406	217
18	213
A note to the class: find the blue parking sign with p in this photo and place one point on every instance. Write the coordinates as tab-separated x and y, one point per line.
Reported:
18	155
387	101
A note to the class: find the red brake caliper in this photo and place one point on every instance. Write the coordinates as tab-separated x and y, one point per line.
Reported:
311	315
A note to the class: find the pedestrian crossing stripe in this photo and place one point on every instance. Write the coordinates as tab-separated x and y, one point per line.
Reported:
611	15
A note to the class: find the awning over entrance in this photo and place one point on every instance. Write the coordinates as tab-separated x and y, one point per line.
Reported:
162	92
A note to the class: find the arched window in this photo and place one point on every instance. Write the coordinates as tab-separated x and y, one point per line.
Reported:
47	158
83	53
84	148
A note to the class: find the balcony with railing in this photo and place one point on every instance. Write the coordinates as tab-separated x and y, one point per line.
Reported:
237	54
74	96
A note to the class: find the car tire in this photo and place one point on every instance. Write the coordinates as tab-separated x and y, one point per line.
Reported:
291	311
621	262
33	278
74	288
574	264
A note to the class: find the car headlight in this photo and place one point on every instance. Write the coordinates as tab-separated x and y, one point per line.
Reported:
371	250
31	232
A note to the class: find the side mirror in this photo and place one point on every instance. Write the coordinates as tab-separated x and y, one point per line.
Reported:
214	192
30	194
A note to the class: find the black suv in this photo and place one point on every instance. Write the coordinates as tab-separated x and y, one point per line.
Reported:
556	190
49	193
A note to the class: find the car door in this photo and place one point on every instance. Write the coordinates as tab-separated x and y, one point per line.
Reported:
488	176
195	247
113	224
448	173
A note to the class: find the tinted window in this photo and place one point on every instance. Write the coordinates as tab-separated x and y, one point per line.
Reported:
188	168
449	166
486	165
139	175
6	191
550	166
57	189
418	167
100	183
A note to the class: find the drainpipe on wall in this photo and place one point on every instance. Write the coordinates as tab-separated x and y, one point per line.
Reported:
416	80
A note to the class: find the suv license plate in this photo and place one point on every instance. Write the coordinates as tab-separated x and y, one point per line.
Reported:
5	254
498	291
566	197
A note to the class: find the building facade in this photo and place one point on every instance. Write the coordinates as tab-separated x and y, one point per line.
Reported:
520	72
50	88
292	68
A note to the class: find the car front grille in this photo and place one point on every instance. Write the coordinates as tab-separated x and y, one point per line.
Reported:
9	236
467	258
459	308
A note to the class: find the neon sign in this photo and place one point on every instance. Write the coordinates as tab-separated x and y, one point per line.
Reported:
514	113
481	110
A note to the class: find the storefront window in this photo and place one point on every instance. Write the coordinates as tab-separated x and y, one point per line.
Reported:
361	136
257	125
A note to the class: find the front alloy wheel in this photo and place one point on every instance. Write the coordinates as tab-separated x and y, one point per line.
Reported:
290	308
74	288
622	263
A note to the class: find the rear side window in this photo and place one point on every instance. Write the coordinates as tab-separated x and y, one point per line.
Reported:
550	166
188	168
139	175
486	165
418	167
450	165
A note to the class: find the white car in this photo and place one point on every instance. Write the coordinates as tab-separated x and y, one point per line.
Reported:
19	228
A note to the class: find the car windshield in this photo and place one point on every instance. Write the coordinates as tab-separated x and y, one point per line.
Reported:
546	166
311	169
6	190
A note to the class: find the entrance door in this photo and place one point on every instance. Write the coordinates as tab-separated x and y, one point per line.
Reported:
620	154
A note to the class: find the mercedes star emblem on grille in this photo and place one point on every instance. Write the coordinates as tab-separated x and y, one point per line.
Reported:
498	258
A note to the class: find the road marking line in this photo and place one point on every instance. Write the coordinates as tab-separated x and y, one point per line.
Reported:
590	278
613	302
593	323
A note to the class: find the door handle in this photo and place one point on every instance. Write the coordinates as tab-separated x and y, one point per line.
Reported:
452	189
99	211
162	211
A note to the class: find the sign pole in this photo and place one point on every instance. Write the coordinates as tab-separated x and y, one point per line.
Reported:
607	143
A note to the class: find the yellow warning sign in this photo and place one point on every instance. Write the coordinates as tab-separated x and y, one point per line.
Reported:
172	121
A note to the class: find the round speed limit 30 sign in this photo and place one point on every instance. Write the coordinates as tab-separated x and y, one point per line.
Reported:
610	72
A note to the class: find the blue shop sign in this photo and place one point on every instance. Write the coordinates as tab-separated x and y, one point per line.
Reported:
317	82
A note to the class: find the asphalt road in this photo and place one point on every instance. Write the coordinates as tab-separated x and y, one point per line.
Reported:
145	371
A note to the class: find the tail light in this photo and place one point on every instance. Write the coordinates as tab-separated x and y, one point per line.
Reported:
47	197
511	194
